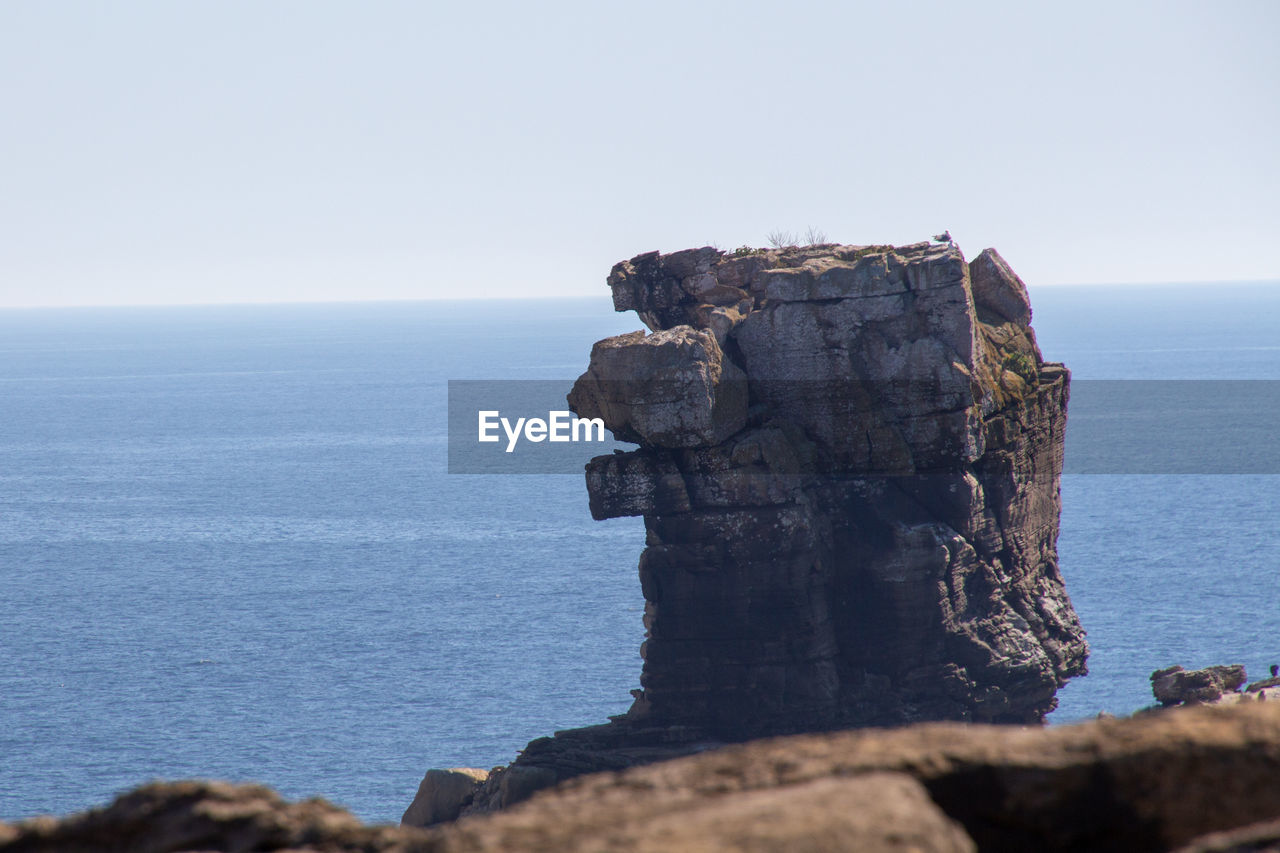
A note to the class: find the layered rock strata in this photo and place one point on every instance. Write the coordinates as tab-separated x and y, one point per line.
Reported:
848	470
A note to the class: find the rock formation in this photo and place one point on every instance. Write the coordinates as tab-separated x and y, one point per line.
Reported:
1200	779
1263	685
442	795
1150	783
197	815
1177	686
1213	685
848	470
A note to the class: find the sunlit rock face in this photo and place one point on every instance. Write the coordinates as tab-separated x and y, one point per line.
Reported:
848	469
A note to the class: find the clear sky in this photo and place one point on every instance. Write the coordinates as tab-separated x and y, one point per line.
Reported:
230	151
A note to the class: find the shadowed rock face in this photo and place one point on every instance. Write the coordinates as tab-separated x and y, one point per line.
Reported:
848	469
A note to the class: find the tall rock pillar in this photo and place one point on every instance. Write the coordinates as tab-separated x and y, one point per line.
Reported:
848	467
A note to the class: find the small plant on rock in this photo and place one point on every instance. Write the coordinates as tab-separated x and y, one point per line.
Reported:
815	237
780	239
1023	365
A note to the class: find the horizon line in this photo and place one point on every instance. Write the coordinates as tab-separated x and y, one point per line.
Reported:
550	298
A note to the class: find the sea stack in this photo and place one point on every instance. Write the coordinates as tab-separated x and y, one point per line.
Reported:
848	468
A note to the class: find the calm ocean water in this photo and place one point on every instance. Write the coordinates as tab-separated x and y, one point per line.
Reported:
229	547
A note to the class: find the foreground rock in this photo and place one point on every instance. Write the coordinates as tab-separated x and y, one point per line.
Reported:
1196	778
442	795
1153	782
209	816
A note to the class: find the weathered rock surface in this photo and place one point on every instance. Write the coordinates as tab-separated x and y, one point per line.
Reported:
1177	686
1264	684
1214	685
869	537
162	817
673	388
866	812
1202	778
1152	782
998	293
442	794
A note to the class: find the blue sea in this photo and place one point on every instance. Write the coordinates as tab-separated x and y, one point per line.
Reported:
230	547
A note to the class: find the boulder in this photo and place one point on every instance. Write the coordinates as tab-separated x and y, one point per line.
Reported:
442	794
673	388
177	816
1175	685
998	293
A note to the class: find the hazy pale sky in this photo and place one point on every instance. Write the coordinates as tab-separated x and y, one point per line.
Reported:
173	152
